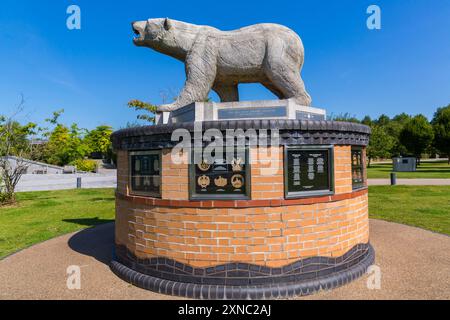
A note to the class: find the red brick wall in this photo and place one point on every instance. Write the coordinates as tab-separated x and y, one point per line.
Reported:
175	177
272	236
267	170
122	172
343	169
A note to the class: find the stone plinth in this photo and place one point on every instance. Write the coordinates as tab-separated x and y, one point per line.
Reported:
266	246
242	110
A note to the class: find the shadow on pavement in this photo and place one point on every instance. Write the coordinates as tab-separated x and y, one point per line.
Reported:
90	222
97	242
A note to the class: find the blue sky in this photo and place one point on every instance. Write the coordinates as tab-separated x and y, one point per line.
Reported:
93	72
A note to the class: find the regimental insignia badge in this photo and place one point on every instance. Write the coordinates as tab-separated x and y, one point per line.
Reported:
237	165
237	181
221	182
204	181
204	166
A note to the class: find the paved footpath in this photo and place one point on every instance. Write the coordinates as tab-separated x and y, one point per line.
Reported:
411	182
48	182
415	264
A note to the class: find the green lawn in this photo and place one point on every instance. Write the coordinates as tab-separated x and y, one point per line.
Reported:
426	207
431	170
40	216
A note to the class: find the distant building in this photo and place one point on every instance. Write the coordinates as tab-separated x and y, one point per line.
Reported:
34	167
38	142
405	164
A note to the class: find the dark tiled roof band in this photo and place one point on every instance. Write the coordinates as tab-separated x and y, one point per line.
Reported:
292	132
240	280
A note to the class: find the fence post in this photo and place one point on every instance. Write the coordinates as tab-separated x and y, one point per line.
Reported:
79	183
393	179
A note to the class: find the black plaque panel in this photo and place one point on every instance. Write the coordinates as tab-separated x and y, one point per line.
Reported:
222	178
308	171
145	169
252	113
357	168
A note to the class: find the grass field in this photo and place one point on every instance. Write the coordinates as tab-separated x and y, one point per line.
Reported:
40	216
430	170
426	207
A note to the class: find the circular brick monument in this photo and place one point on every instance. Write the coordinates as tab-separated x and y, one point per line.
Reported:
274	220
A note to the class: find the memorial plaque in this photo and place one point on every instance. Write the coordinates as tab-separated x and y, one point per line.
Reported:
308	171
145	173
252	113
302	115
222	178
357	168
186	114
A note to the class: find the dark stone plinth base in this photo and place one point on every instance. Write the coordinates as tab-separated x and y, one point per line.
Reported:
344	271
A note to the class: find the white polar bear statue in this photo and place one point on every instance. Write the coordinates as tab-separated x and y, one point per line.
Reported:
269	54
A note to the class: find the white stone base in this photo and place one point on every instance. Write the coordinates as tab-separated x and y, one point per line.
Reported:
242	110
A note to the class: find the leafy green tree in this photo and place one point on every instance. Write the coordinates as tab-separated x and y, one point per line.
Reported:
417	135
78	149
99	140
14	136
383	120
402	118
85	165
367	121
394	128
391	127
380	145
345	117
55	119
14	142
58	143
66	145
441	127
149	108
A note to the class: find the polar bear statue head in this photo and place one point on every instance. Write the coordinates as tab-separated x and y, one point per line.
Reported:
150	31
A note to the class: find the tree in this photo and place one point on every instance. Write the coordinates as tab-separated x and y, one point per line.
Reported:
417	135
367	121
55	119
66	145
99	140
144	106
380	144
383	120
402	118
393	128
58	143
345	117
150	109
14	147
441	127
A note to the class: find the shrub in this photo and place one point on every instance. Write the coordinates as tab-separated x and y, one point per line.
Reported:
85	165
